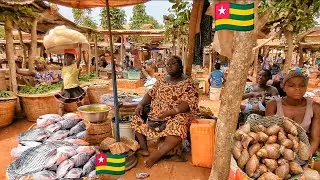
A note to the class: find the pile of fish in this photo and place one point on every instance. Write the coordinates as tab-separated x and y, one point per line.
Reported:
54	160
52	127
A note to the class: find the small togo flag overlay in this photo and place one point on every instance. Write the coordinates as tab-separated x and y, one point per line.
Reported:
107	163
231	16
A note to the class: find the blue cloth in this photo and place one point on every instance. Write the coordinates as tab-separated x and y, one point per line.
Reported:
216	77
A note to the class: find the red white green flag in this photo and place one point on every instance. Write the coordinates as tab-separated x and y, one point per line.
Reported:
110	164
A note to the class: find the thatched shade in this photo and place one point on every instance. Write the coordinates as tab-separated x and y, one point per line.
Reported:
82	4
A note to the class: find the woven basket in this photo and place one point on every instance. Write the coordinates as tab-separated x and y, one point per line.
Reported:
98	128
7	111
94	93
35	106
96	139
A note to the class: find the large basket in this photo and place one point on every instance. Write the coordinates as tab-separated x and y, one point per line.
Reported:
98	128
7	110
94	93
35	106
97	138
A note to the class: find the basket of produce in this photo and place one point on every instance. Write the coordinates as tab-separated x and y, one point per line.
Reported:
96	91
7	103
271	147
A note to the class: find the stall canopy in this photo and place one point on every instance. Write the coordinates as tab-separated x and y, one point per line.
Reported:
82	4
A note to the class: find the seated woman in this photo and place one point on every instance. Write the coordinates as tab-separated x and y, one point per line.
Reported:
43	75
294	106
257	96
174	99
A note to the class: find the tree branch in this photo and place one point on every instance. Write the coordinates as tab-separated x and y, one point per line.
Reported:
268	40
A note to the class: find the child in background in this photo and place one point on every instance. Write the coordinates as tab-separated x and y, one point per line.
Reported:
216	77
71	90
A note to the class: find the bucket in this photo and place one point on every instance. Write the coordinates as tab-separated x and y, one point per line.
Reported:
126	130
214	94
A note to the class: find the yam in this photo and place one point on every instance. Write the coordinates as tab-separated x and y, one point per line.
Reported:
252	166
271	164
295	147
282	161
304	151
282	130
263	153
268	176
254	136
246	141
259	128
283	170
272	139
293	138
245	128
289	127
311	174
236	149
287	143
238	135
262	168
254	149
262	137
281	136
273	130
273	151
295	168
243	159
288	154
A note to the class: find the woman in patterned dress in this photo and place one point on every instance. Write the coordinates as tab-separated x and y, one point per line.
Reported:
173	99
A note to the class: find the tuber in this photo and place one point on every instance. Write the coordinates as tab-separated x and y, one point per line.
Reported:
263	153
259	128
286	143
304	151
288	154
238	135
245	128
262	168
272	139
273	151
295	168
273	130
295	147
282	171
254	136
236	149
271	164
281	136
311	174
282	161
244	158
254	149
252	165
268	176
246	141
289	127
293	138
262	137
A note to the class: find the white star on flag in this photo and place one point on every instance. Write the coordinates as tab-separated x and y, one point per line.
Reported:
222	10
101	159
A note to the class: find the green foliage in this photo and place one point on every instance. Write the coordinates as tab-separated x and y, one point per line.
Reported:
83	17
2	32
41	89
4	94
140	17
87	77
177	22
117	18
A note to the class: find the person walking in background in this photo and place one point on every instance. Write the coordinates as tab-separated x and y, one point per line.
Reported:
216	77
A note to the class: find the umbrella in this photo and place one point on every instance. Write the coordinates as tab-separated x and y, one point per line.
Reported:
107	4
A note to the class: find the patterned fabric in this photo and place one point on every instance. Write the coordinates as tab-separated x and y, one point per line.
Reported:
216	78
166	96
71	95
46	76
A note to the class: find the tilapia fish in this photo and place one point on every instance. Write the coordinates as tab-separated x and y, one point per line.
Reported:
85	149
30	143
64	167
44	175
74	173
48	119
81	135
77	128
53	128
89	166
68	123
61	134
35	134
73	116
64	153
80	159
32	160
92	174
16	152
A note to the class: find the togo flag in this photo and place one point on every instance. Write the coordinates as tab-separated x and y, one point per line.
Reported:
110	164
231	16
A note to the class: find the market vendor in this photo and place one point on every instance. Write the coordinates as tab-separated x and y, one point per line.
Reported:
294	106
173	99
42	75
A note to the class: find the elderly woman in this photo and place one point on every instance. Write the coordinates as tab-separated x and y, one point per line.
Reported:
174	100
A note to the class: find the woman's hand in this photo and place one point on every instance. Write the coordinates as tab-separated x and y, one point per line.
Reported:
165	114
138	110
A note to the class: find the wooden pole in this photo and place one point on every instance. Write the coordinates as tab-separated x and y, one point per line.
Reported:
121	49
89	58
96	52
192	34
288	61
10	58
33	48
23	47
300	55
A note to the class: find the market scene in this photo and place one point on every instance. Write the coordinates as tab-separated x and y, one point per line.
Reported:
160	90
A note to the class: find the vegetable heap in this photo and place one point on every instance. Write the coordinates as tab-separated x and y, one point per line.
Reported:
4	94
41	89
269	152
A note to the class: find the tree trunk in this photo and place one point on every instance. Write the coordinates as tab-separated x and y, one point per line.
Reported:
288	61
178	48
230	103
196	6
174	47
300	56
23	47
10	58
33	48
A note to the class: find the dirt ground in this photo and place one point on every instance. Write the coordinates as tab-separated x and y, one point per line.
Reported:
167	170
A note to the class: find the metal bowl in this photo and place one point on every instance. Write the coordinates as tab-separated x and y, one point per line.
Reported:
95	112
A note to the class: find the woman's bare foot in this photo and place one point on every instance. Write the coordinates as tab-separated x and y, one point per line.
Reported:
150	162
143	152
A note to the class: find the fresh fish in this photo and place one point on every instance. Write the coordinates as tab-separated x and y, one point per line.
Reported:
64	153
41	123
53	168
64	167
35	134
48	119
53	128
51	162
79	142
30	143
85	149
16	152
60	143
74	173
92	174
89	166
32	160
73	116
77	128
59	135
81	135
44	175
68	123
80	159
72	137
